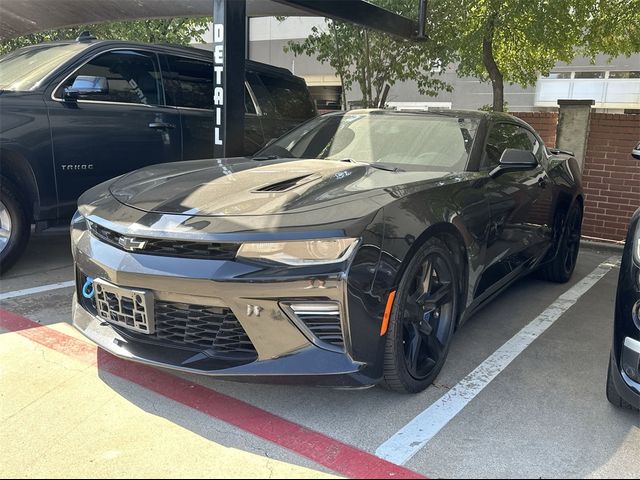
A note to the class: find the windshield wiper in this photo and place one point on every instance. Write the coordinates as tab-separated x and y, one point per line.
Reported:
379	166
385	167
266	157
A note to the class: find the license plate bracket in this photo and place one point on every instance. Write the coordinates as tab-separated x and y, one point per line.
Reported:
131	308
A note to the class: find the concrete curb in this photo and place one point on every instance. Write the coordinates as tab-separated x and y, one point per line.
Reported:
591	244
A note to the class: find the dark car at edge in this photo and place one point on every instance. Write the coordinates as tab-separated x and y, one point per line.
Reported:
623	379
346	253
76	113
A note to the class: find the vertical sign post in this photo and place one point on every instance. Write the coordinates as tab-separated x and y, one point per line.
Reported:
229	49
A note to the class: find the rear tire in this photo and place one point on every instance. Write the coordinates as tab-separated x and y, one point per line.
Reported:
561	268
15	225
423	319
612	394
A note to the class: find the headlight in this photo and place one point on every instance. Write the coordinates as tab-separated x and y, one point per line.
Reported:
78	227
305	252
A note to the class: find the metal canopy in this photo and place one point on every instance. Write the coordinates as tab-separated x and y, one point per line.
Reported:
21	17
359	12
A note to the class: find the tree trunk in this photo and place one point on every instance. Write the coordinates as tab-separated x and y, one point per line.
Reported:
497	80
340	72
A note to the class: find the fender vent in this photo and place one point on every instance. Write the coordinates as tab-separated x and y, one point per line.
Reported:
322	320
288	184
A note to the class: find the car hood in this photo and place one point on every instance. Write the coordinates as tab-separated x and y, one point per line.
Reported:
238	187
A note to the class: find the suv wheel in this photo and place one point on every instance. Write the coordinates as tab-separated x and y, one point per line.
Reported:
15	225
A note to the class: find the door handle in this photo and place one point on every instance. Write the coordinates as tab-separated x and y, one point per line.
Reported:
161	125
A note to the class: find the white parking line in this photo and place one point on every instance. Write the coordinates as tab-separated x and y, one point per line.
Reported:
404	444
31	291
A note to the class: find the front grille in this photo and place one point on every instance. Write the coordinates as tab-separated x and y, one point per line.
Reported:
201	326
165	247
193	327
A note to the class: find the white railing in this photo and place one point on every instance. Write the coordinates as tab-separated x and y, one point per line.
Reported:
607	93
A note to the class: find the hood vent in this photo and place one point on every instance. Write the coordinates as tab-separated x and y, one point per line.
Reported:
288	184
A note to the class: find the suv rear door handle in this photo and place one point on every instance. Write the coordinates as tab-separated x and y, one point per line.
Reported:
161	125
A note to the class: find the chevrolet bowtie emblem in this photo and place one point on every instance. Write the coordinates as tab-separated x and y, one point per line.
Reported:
131	244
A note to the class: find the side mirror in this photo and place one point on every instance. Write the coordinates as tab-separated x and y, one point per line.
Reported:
635	153
86	85
513	160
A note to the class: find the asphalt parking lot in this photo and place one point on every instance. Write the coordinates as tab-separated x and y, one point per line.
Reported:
508	403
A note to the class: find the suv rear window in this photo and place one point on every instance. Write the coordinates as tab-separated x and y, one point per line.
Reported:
188	82
291	99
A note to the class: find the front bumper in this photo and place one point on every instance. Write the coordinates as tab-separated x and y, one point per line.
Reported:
627	387
308	365
285	352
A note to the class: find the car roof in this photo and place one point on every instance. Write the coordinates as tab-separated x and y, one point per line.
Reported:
170	49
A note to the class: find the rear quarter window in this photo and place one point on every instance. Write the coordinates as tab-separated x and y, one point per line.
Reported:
188	82
291	99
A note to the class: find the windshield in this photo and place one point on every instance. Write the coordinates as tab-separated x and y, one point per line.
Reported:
23	70
424	141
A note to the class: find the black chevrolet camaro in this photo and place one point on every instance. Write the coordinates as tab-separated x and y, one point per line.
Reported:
346	253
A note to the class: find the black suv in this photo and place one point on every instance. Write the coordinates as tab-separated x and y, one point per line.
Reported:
76	113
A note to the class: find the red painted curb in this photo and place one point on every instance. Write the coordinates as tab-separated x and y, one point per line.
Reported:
321	449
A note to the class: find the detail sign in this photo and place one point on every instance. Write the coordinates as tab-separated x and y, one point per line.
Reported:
218	83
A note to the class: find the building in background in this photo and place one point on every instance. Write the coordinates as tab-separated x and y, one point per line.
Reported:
615	85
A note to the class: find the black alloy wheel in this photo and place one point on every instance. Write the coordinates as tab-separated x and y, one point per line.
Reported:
561	268
423	319
572	242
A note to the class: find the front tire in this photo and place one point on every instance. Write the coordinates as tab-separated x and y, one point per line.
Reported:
561	268
15	225
423	319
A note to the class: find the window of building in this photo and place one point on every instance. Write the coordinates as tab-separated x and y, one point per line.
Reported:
558	75
628	74
589	75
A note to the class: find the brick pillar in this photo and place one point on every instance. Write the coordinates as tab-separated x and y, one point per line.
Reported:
573	127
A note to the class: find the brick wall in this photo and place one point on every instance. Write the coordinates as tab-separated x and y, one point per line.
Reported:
611	175
544	123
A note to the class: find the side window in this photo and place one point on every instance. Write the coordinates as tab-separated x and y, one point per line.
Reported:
290	99
132	77
189	82
503	136
538	149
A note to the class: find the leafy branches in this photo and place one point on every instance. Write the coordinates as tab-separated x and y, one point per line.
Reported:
175	30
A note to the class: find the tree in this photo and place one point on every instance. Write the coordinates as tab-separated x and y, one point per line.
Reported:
500	41
371	59
614	28
515	41
179	31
